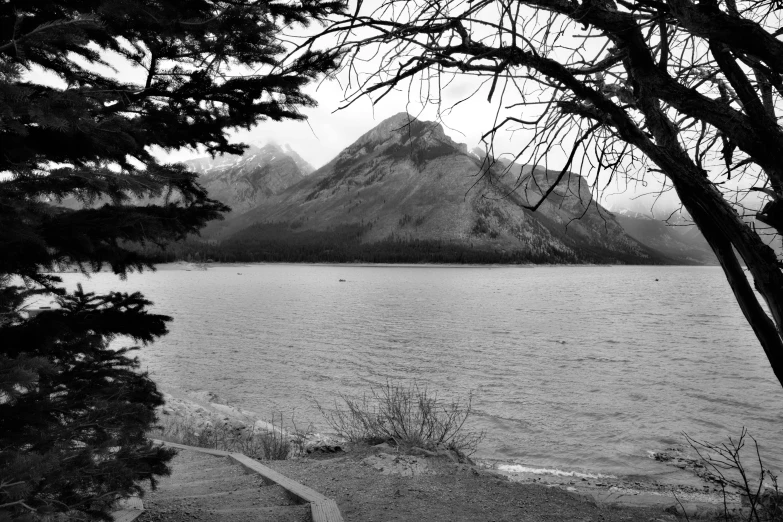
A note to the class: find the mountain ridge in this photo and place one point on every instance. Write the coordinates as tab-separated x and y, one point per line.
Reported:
677	237
406	181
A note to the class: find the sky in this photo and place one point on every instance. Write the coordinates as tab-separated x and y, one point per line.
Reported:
331	126
329	129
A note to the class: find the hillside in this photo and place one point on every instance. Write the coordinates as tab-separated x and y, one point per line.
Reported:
677	238
405	184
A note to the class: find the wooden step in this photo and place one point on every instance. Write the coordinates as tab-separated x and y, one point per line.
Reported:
263	496
229	468
195	475
204	465
300	513
188	488
203	487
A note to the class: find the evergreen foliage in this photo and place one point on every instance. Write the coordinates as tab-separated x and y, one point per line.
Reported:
74	409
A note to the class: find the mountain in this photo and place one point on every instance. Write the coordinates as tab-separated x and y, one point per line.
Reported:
243	182
407	187
677	237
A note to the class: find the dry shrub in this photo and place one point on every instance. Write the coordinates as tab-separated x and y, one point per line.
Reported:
409	417
758	487
272	444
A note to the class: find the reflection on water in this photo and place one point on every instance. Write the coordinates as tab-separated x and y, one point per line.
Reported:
585	368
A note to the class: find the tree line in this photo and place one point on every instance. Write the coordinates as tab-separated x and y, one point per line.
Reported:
281	243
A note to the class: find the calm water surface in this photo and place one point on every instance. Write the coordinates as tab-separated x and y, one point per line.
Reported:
572	368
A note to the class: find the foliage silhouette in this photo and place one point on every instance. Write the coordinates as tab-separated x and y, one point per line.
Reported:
628	89
73	407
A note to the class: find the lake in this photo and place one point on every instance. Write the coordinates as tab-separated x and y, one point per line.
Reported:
574	368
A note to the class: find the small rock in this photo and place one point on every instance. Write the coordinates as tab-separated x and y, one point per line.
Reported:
324	448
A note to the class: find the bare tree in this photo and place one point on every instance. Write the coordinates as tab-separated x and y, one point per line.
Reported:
687	89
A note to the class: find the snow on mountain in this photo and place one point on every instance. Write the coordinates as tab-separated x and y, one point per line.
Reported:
242	182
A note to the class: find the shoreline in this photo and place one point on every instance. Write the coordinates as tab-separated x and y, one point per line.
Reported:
192	265
199	266
204	408
187	265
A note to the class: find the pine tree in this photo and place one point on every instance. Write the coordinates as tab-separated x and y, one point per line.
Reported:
74	409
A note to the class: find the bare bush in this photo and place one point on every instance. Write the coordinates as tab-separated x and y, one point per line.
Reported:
299	437
409	417
761	496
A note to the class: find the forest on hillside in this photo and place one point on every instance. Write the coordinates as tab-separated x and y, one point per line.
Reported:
277	242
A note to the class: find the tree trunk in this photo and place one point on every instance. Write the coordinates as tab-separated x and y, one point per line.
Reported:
723	229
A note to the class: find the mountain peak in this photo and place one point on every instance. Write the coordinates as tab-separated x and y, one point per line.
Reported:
402	127
404	130
400	119
244	181
403	116
401	137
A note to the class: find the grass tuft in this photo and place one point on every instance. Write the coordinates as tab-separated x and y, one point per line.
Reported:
272	444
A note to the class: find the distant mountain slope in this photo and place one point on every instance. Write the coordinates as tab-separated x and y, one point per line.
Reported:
242	182
405	181
677	237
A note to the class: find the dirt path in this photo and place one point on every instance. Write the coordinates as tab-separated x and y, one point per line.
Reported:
371	484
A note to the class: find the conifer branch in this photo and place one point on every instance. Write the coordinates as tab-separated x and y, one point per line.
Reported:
85	21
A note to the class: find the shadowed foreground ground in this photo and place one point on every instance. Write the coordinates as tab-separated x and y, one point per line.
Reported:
215	489
375	484
379	484
371	484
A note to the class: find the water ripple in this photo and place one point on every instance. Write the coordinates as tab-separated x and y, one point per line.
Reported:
570	366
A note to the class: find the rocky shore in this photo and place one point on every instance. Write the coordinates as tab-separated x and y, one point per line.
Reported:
694	500
197	410
202	408
686	480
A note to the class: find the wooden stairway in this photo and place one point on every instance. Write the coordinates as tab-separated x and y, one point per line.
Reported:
208	485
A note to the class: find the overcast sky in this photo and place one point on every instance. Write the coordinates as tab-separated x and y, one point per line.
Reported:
329	129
